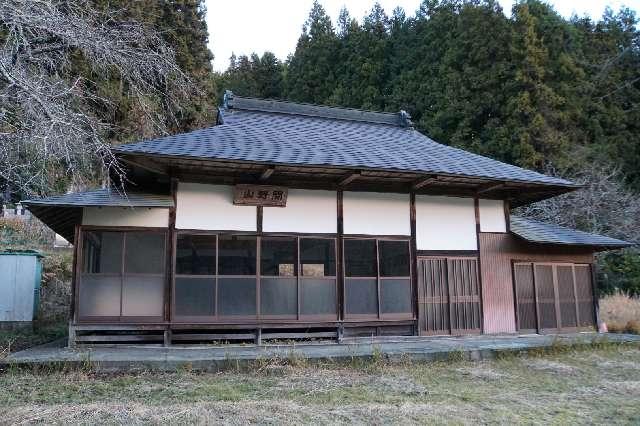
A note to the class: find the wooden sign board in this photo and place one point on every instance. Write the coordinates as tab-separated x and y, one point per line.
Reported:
260	195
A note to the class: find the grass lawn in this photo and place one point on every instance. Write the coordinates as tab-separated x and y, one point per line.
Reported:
590	385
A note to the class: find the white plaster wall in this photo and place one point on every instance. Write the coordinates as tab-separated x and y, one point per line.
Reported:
210	207
492	216
445	223
126	216
306	211
373	213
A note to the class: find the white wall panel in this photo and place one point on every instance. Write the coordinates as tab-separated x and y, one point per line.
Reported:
210	207
375	213
306	211
492	216
445	223
126	216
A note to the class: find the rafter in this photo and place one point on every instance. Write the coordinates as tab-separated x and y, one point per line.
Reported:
424	182
489	187
266	174
349	178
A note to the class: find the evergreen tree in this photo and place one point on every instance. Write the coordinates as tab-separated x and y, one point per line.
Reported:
310	72
534	117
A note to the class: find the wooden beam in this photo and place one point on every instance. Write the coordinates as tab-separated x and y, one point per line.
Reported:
266	174
349	178
151	168
488	188
423	182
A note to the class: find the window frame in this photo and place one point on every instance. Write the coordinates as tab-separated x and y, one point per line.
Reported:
410	315
175	275
122	274
258	317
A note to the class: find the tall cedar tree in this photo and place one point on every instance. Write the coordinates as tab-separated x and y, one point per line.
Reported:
311	70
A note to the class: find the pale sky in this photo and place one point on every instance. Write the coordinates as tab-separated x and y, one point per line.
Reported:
246	26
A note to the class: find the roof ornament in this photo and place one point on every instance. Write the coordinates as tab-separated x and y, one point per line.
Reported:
405	119
228	99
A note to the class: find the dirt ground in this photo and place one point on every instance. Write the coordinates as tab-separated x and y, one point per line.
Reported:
593	385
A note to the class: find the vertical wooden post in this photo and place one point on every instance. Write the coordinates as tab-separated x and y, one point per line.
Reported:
75	273
413	247
476	205
507	215
259	215
170	261
594	291
340	256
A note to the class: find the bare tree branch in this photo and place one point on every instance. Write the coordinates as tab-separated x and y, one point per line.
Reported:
49	128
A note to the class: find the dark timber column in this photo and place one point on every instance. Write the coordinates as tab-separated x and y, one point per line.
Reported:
476	204
75	273
339	263
414	261
171	252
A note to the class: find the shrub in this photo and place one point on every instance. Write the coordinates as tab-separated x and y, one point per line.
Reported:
633	327
618	310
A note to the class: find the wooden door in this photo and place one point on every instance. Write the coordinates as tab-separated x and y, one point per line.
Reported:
448	296
525	297
553	297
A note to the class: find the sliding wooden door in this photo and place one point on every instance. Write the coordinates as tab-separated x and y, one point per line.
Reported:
449	296
552	297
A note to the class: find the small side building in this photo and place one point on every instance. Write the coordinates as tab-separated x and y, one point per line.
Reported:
294	220
19	288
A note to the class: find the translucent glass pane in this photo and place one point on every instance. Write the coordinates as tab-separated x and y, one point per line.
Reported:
360	258
318	257
196	254
144	253
394	258
395	296
237	255
195	296
278	256
99	296
318	296
102	252
237	296
143	296
278	296
361	296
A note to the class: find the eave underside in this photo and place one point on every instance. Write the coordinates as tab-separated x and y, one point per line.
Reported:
333	178
62	220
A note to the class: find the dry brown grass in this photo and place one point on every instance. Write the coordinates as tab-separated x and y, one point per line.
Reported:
580	386
621	313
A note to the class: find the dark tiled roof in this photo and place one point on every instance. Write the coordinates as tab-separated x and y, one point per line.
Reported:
539	232
104	198
270	132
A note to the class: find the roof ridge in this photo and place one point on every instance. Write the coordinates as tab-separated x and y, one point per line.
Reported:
234	102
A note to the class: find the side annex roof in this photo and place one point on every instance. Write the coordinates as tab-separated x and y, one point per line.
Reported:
545	233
